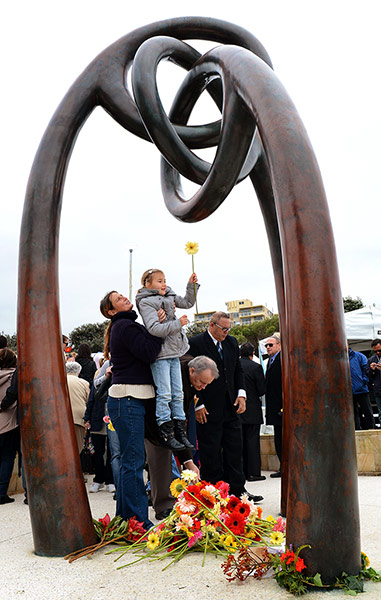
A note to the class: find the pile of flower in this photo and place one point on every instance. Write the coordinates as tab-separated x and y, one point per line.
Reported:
205	518
288	569
111	531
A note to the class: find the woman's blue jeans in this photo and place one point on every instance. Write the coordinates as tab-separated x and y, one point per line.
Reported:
127	417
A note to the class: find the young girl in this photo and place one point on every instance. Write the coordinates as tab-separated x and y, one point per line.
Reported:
166	371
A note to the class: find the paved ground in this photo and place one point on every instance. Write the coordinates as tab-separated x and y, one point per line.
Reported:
25	576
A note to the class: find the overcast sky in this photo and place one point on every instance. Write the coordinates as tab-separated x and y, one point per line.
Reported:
327	55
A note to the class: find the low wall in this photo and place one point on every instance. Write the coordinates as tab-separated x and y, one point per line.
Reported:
368	447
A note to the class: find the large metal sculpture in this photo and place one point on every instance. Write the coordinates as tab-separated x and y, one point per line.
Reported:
261	136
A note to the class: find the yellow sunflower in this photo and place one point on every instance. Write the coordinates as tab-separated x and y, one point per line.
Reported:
177	487
191	247
153	541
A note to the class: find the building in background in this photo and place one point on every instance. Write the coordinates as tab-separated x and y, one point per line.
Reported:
203	317
242	312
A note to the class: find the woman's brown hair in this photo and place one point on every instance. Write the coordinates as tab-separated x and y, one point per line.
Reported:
105	307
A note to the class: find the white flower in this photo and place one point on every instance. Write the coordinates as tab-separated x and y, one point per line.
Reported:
213	491
184	506
187	520
188	476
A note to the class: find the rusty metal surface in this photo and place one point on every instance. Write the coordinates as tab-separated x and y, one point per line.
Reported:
260	134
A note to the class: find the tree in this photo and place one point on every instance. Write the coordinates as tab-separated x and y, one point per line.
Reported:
91	333
352	303
255	331
196	327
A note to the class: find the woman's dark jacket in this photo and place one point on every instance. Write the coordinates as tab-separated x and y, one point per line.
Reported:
132	349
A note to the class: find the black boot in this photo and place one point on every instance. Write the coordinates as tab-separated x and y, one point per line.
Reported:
180	434
6	499
167	436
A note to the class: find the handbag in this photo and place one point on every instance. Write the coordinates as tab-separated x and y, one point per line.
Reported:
86	456
101	392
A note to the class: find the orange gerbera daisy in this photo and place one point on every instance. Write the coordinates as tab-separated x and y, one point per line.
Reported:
208	497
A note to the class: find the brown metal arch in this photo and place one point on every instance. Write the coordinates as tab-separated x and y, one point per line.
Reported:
322	506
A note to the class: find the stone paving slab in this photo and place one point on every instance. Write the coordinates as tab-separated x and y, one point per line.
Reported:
26	576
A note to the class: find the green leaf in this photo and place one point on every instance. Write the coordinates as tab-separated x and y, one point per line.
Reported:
317	580
352	583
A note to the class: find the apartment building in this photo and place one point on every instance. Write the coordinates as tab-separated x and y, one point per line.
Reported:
242	312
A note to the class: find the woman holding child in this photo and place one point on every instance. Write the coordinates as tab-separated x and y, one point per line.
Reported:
132	349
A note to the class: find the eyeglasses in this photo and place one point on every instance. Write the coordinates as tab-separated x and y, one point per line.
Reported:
269	345
224	329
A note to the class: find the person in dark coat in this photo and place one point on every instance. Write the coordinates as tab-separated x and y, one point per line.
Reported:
274	399
373	372
219	431
85	360
196	373
252	418
362	408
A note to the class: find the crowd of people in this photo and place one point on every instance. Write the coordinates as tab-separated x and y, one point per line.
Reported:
159	401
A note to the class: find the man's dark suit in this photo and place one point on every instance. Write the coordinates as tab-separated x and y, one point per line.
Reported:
274	401
220	439
252	418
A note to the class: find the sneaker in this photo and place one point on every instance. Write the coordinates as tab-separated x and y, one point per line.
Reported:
95	487
110	488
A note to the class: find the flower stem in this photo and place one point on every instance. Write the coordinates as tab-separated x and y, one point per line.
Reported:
195	287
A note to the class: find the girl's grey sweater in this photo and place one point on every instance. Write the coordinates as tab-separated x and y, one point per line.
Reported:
149	301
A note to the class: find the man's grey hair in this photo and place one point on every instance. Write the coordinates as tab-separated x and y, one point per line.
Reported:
215	318
201	363
275	335
73	368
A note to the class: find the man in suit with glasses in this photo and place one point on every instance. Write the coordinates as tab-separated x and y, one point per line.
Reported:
274	402
219	406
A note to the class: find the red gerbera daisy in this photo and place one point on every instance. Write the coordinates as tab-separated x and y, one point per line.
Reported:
243	509
236	523
233	502
195	491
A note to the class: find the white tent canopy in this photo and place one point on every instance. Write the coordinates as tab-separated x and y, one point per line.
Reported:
362	326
